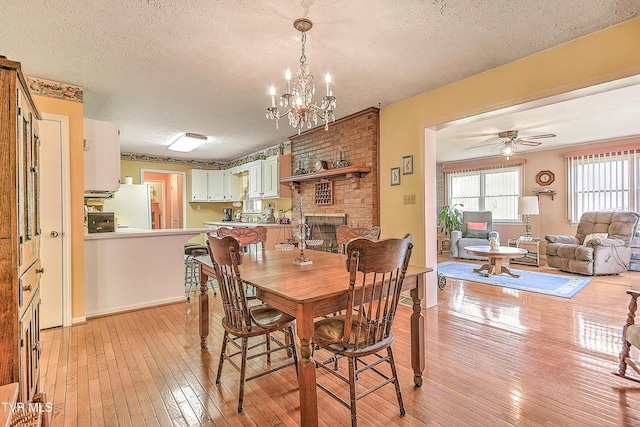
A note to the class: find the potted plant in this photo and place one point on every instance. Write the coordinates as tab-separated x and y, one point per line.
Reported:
449	218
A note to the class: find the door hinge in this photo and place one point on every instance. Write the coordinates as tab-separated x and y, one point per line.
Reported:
21	342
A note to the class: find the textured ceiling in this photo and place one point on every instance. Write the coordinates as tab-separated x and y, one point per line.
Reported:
159	68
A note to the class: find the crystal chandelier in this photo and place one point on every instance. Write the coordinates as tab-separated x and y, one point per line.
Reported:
298	98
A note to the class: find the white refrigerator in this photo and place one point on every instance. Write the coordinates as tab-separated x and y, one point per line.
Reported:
131	205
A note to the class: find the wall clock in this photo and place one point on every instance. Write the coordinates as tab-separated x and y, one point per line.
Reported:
545	177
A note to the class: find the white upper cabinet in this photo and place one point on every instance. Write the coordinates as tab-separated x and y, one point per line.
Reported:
255	180
271	178
216	186
101	156
198	187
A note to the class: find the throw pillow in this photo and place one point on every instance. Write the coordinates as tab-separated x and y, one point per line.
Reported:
477	234
595	236
476	226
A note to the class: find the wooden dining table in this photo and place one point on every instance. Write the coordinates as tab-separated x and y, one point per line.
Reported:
307	292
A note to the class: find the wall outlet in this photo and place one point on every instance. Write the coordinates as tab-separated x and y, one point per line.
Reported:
409	199
197	207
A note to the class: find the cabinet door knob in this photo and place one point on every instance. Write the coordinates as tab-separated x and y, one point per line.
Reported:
40	270
54	234
26	288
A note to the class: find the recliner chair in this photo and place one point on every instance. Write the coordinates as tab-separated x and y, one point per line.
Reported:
601	245
462	238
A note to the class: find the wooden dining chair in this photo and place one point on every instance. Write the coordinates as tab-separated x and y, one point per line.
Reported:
363	333
344	233
630	337
242	322
246	236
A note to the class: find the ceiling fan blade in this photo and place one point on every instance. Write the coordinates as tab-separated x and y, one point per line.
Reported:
531	143
496	148
484	143
546	135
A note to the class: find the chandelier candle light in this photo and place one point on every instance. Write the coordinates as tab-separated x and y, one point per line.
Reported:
298	99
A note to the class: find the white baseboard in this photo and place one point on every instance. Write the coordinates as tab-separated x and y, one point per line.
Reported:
78	320
123	308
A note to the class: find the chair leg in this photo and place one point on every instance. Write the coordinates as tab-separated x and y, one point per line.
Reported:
352	392
268	345
225	339
396	381
243	373
294	348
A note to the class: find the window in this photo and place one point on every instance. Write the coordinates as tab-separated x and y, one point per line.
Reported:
603	181
494	189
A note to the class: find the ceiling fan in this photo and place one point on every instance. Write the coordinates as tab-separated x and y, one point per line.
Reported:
508	141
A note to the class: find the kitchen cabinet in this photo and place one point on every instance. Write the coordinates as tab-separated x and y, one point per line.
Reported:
272	169
101	156
20	233
216	185
255	180
213	185
198	182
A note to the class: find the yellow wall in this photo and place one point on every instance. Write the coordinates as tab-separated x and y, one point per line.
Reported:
75	111
603	56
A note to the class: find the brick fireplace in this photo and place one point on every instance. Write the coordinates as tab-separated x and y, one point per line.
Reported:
356	197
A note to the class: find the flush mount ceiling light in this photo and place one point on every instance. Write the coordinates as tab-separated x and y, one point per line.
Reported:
188	142
297	100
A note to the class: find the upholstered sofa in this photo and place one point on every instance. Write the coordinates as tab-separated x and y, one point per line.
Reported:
601	245
472	233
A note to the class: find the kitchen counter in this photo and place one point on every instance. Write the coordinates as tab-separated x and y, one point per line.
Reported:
128	233
232	224
132	269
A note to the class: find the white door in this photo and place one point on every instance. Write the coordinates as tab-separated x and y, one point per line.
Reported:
55	245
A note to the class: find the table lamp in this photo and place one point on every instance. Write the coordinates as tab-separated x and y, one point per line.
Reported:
528	205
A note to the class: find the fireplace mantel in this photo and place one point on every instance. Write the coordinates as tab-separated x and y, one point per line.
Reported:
349	171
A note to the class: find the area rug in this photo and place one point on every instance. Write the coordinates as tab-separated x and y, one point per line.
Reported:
530	281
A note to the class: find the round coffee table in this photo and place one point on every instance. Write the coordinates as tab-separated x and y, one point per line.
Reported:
496	257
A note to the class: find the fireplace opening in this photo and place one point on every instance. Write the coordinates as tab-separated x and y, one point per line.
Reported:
323	227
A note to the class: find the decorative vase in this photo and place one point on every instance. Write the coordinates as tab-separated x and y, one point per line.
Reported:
494	243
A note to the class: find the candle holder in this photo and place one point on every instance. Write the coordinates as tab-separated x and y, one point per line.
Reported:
301	231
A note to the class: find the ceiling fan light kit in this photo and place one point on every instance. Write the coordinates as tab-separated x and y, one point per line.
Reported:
298	98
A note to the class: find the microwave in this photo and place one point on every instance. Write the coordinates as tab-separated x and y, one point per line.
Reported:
101	222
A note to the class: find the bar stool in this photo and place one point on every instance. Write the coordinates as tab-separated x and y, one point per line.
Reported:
191	271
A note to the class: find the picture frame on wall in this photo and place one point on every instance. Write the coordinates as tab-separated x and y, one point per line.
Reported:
407	165
394	175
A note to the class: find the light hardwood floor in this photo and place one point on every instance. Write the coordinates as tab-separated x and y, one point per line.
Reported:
495	357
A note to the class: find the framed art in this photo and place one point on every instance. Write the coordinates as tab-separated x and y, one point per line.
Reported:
545	178
395	176
407	165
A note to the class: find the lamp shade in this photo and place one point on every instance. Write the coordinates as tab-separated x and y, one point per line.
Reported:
528	205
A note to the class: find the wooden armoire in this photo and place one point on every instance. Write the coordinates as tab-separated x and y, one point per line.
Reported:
20	232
